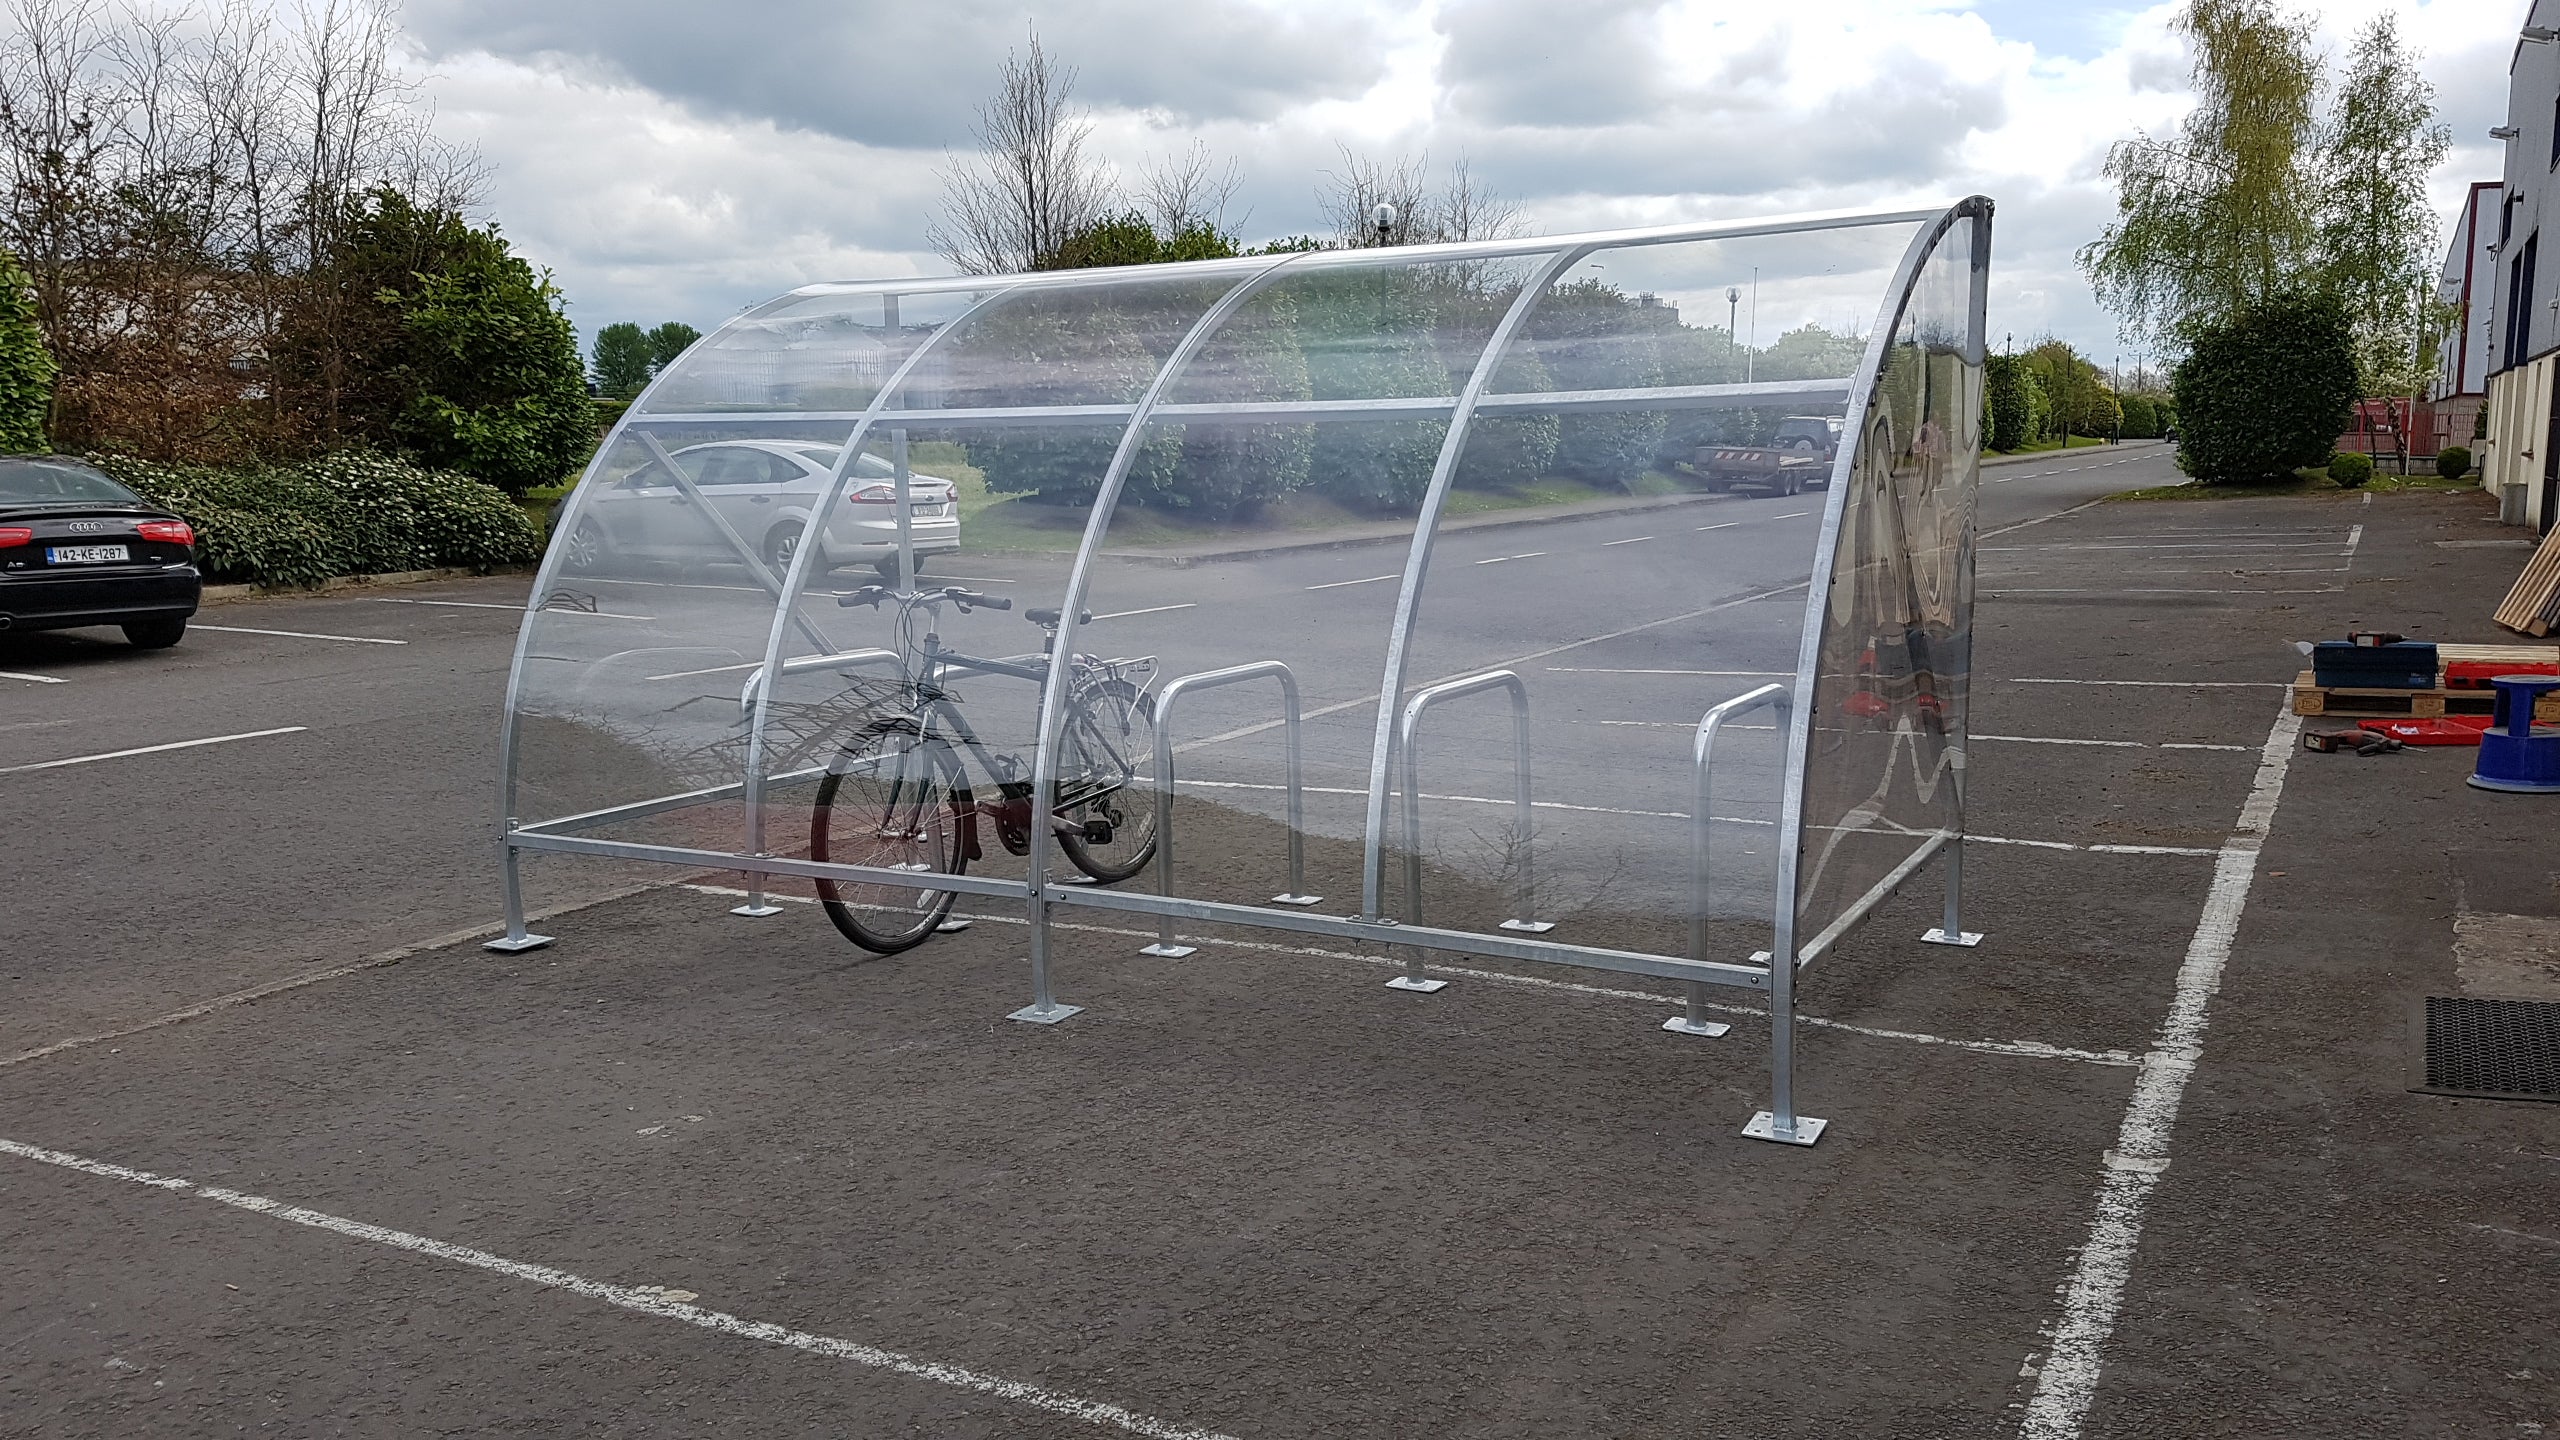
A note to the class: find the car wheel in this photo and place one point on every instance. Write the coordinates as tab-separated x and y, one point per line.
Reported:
583	550
158	634
781	543
887	567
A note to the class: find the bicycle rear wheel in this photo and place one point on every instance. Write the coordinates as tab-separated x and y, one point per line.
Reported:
893	799
1106	792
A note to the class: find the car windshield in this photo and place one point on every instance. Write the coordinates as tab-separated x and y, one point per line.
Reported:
39	481
1818	430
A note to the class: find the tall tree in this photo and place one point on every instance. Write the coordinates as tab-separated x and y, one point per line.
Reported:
1032	184
2220	216
667	341
2378	231
622	359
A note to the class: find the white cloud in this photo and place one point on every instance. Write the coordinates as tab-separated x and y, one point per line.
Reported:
668	162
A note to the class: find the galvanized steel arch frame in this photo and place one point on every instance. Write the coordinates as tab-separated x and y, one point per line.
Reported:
1251	276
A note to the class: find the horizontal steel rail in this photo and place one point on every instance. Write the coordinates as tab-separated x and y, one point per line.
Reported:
769	864
1166	701
1388	932
1876	895
642	809
1655	397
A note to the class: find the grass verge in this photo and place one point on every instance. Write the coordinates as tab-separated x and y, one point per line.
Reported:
2304	482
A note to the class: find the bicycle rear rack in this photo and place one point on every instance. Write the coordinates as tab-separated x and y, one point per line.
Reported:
1165	943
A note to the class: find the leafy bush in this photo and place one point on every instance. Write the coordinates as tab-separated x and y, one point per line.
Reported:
26	368
2453	462
2141	418
2350	468
351	513
2268	393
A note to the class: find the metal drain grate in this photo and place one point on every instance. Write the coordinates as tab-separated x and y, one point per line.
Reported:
2491	1049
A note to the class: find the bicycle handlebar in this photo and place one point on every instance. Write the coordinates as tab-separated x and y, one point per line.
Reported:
967	600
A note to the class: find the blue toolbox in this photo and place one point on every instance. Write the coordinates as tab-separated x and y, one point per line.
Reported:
2397	665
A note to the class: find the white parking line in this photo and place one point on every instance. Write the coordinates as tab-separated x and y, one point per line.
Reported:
1603	670
153	749
519	609
2067	1375
649	1300
1637	540
1498	559
1338	584
1150	610
36	679
713	670
2164	684
299	635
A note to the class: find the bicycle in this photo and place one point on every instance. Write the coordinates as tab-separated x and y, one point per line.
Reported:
897	795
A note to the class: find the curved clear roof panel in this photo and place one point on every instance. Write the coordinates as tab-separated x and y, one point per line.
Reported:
1597	600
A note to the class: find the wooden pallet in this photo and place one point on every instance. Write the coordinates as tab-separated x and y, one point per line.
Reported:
2524	657
2532	606
2311	698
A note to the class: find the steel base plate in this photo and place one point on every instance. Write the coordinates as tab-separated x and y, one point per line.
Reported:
1938	936
1683	1025
516	944
1297	899
1529	927
1169	952
755	912
1034	1015
1764	1126
1424	987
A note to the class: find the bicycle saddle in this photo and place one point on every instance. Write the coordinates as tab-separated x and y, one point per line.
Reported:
1049	618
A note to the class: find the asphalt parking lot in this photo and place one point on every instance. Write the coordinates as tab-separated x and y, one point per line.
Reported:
285	1151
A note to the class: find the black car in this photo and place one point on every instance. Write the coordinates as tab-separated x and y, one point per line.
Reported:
76	548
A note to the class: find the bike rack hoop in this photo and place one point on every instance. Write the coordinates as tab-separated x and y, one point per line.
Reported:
1296	894
1524	918
1710	729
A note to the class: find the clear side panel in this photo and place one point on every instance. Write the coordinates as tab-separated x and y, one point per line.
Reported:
900	728
1633	521
824	354
1265	456
1884	769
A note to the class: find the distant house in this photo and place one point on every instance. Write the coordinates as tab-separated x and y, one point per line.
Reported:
2461	389
2520	463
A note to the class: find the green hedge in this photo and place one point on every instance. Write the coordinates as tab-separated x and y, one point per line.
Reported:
2267	393
2350	468
2453	461
352	513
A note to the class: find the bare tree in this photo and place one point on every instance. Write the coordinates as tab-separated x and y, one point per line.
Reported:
1187	190
1032	183
1457	209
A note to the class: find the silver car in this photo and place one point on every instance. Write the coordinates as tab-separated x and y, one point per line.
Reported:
767	491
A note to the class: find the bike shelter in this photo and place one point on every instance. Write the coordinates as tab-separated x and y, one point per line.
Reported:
1477	672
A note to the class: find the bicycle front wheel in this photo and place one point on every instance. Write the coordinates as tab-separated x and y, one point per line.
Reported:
1106	792
893	799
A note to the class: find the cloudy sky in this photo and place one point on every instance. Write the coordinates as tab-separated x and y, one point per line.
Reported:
669	159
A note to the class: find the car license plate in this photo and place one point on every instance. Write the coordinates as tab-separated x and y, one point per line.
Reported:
87	554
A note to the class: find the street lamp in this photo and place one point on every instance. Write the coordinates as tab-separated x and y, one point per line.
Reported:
1732	319
1384	217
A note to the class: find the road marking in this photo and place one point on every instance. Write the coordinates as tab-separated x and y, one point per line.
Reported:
2234	544
1637	540
659	584
1338	584
976	579
2179	745
37	679
1498	559
1790	515
2057	740
714	670
2030	1049
299	635
1684	816
519	609
152	749
2165	684
645	1301
2017	590
2067	1377
1727	525
1150	610
1336	708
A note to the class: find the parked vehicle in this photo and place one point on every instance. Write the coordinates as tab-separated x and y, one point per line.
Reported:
76	548
1797	458
767	492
